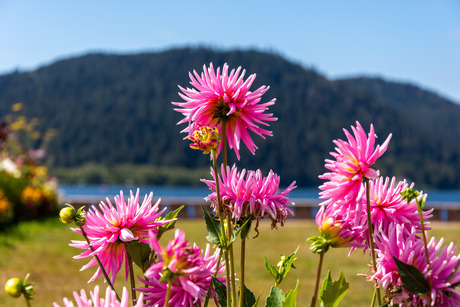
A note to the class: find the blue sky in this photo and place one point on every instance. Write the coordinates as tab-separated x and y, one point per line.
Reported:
410	41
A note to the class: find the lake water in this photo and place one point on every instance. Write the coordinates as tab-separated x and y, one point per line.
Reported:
100	192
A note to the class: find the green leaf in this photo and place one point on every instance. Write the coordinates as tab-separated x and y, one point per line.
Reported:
170	216
291	297
332	292
246	227
286	264
213	228
221	291
275	298
249	299
272	270
139	253
413	280
236	232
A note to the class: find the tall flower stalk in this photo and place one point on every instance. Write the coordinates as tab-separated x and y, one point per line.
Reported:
371	242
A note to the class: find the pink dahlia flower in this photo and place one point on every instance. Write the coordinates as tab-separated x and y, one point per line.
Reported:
251	195
108	227
387	206
339	229
189	269
94	300
219	98
410	250
352	163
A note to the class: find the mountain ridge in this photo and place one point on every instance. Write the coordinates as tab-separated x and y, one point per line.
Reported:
115	109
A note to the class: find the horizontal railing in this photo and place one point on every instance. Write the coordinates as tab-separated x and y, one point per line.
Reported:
305	208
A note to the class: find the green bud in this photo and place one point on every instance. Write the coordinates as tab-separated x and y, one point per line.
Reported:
14	287
67	214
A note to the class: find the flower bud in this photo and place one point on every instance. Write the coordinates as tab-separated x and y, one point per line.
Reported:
14	287
67	214
205	138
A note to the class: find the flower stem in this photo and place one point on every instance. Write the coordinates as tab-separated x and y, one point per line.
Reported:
371	239
208	295
232	260
243	256
420	212
168	293
318	276
27	301
131	278
222	228
107	279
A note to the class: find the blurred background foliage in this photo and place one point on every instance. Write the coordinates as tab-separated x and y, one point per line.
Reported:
27	191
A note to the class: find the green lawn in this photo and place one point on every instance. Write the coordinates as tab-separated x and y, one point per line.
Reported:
41	249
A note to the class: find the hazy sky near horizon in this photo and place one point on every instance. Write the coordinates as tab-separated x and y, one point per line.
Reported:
409	41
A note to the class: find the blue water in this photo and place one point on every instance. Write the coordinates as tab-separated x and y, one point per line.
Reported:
103	191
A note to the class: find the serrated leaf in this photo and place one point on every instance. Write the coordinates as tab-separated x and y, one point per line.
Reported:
287	263
249	299
170	216
275	298
139	253
291	297
271	269
332	292
213	228
221	291
413	280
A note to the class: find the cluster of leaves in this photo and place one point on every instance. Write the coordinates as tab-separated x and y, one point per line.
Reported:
90	92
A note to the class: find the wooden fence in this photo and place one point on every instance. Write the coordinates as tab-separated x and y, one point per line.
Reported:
304	208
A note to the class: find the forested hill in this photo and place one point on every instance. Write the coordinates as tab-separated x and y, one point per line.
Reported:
112	109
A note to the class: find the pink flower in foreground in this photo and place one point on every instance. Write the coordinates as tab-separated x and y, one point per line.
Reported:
387	206
110	299
218	99
189	269
110	227
352	163
254	195
410	250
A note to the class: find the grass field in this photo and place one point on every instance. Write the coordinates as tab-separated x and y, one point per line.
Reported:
41	249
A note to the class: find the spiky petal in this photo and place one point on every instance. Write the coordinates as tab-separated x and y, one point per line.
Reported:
352	163
189	269
110	227
94	300
249	193
217	98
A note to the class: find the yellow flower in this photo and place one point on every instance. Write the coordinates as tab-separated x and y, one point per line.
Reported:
31	195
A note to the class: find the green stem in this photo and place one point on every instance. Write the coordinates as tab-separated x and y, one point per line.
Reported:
371	238
27	301
374	296
206	302
107	279
227	275
318	276
243	256
232	260
222	228
424	239
131	278
168	293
